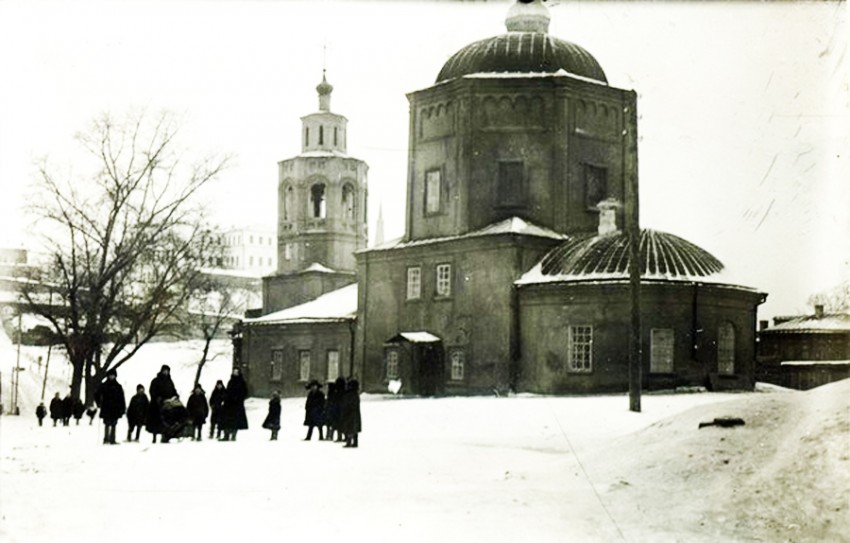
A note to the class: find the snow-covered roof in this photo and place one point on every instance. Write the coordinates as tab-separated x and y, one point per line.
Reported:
316	267
815	363
813	324
415	337
594	257
533	75
224	272
513	225
322	154
337	305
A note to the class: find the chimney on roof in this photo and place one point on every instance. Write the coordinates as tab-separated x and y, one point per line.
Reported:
608	216
819	311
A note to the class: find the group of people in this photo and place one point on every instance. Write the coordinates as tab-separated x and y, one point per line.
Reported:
162	413
339	412
62	409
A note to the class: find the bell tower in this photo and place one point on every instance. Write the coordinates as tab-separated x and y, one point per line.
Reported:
321	211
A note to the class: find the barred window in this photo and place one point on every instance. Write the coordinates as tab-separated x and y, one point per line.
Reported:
444	280
277	365
661	350
303	366
392	364
458	359
333	365
580	349
414	283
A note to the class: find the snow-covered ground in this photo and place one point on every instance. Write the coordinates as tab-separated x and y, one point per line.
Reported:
524	468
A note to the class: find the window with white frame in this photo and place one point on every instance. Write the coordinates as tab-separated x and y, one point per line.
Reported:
580	349
726	349
444	280
458	360
661	350
432	192
303	365
287	251
392	364
333	365
277	365
414	283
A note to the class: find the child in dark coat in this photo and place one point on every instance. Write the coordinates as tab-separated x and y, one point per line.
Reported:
198	411
110	398
137	412
40	412
216	403
78	408
272	421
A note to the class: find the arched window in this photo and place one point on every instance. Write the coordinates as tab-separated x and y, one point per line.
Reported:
306	136
335	136
321	135
317	198
726	349
348	204
288	203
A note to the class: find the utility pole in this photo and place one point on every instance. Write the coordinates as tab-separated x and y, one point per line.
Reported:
630	171
17	375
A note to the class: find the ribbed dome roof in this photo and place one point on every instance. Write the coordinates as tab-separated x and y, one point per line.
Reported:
522	52
662	255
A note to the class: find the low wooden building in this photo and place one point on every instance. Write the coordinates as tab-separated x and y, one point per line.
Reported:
805	351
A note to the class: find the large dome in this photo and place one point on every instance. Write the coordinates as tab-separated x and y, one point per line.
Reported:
662	256
522	52
526	48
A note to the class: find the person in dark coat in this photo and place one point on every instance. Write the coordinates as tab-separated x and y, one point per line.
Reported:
91	411
216	403
56	407
314	409
41	412
137	412
198	411
78	408
350	422
233	416
67	409
272	421
332	412
109	396
161	389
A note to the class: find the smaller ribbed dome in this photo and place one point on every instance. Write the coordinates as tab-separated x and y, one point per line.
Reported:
662	255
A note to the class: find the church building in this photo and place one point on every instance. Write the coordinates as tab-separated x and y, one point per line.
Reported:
513	270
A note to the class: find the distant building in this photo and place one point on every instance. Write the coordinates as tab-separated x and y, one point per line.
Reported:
805	351
252	249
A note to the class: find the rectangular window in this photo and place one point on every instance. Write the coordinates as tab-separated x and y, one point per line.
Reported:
303	366
726	349
277	365
432	192
287	251
392	365
580	349
661	350
414	283
333	365
444	280
595	185
510	186
458	359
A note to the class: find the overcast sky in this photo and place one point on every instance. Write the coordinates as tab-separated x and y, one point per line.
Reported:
744	107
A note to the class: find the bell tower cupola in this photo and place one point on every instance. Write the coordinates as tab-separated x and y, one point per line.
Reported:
324	131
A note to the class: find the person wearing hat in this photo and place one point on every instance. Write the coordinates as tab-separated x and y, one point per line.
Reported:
350	422
314	409
136	412
233	417
198	411
272	421
110	398
216	405
56	409
161	389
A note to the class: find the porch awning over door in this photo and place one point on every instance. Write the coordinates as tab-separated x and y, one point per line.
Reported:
414	337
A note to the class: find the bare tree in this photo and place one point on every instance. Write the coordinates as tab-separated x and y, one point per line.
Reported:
124	242
835	300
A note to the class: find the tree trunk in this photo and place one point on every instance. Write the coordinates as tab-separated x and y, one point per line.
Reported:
77	377
203	361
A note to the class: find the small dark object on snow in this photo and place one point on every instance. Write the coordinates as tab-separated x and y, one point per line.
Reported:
725	422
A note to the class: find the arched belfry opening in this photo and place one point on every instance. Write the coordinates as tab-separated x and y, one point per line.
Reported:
318	202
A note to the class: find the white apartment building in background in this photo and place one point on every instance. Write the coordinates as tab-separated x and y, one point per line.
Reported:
252	249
